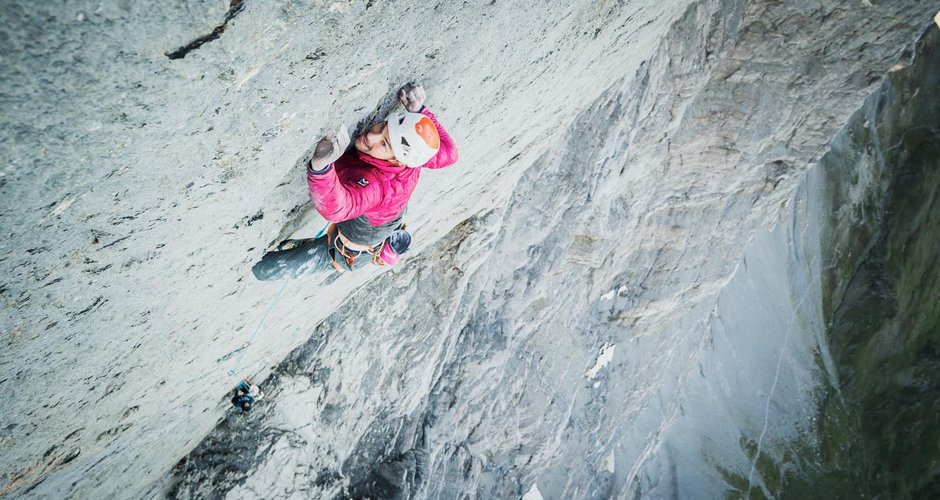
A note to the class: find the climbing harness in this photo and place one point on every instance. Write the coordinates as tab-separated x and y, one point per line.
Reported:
350	250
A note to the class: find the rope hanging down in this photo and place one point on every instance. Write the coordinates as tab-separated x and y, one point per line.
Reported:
244	347
277	297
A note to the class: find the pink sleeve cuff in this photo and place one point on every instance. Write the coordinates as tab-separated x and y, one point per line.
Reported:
388	255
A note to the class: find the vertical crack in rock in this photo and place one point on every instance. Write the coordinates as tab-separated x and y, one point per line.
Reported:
235	7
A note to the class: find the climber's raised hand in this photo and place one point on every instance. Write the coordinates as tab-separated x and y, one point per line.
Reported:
412	97
330	148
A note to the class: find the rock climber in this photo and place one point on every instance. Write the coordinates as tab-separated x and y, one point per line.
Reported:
363	192
245	394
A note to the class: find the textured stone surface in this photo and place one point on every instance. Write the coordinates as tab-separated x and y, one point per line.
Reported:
616	159
137	190
615	348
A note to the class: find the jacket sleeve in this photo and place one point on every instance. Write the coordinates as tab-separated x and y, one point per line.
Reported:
336	201
447	154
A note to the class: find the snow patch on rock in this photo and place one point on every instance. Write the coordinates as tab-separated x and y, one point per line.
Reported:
607	354
533	493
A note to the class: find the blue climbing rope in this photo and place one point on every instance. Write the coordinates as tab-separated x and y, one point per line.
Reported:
244	347
277	297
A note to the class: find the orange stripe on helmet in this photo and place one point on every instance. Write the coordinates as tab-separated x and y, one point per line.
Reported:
428	132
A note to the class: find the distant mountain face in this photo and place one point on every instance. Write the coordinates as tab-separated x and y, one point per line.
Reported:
648	273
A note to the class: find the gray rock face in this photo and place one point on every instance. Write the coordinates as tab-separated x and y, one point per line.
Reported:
600	353
626	285
137	191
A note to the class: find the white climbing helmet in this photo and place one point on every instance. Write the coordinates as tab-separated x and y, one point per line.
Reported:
414	138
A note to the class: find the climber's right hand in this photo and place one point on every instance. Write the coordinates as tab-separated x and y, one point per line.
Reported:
329	149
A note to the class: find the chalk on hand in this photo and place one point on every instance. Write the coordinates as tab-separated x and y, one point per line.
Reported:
936	19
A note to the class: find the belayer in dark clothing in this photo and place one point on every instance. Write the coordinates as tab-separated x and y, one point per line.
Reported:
363	192
245	394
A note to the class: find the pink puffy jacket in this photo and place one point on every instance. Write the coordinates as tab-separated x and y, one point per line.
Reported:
358	184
